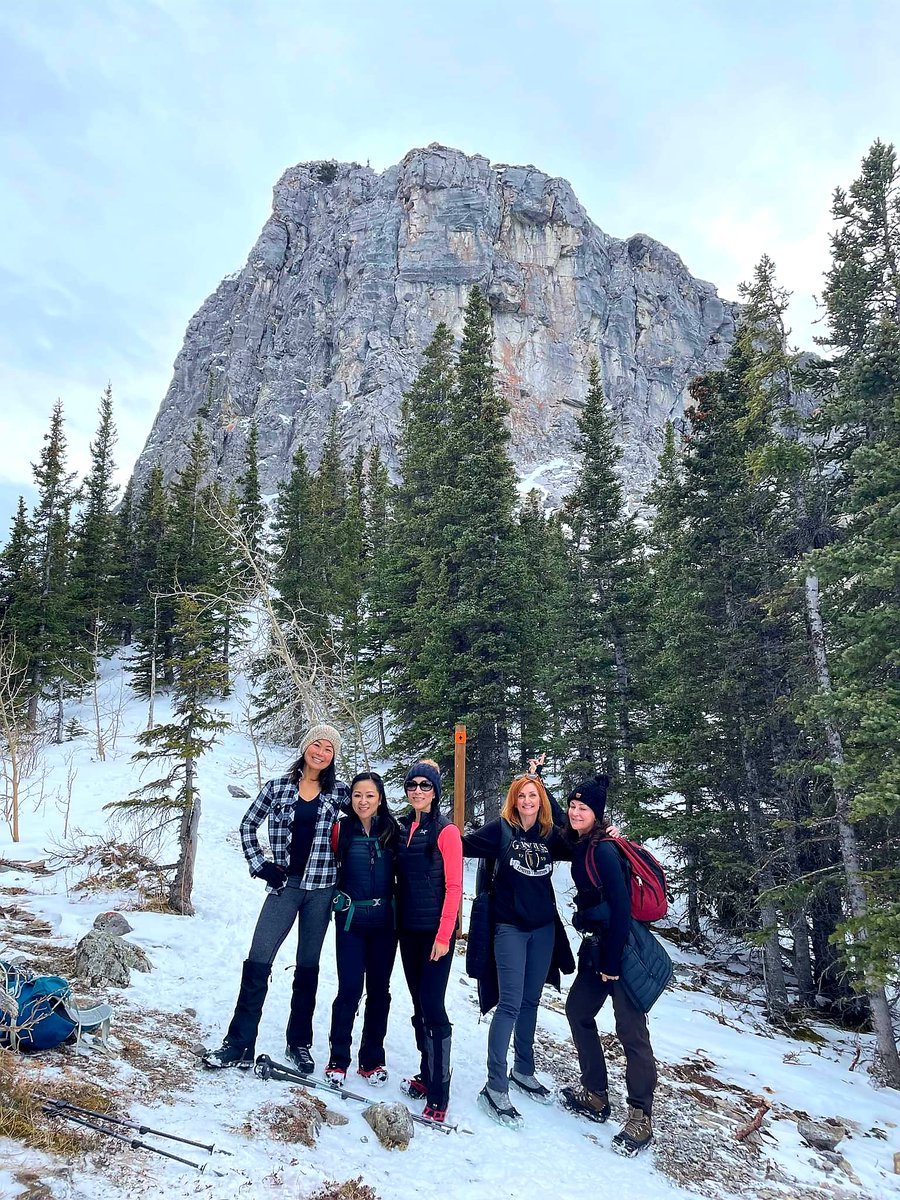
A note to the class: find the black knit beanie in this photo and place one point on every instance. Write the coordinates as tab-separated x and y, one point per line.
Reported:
423	770
592	792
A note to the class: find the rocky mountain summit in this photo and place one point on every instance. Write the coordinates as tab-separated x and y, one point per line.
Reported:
353	271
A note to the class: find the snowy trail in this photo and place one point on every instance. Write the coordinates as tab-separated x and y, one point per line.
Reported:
197	964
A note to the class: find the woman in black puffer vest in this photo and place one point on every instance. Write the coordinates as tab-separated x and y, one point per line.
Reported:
364	841
429	892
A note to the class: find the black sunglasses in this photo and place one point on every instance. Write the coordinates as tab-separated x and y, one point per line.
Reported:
423	785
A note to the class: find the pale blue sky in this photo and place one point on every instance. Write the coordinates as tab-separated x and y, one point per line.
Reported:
139	142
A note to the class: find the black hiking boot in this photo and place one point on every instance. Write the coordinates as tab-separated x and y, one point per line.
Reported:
229	1055
240	1040
593	1105
635	1134
300	1059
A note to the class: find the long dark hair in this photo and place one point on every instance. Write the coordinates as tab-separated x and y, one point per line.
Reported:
384	823
600	830
327	776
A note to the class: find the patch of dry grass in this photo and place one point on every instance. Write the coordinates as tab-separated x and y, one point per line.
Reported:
24	1088
350	1189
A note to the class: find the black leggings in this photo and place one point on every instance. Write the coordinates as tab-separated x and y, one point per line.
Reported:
426	980
427	983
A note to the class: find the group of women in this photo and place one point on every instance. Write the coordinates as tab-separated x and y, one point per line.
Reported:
393	883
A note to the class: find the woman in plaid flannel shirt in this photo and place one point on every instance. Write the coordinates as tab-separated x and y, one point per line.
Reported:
301	809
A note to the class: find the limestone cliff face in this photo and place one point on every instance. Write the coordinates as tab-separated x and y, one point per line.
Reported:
353	271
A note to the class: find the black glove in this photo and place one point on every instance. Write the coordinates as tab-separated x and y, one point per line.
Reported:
272	874
581	922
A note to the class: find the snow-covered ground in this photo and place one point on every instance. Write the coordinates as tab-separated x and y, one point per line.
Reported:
717	1057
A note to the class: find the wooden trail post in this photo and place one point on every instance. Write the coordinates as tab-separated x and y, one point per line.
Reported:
459	790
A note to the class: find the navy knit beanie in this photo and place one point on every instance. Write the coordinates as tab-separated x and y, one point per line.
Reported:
592	792
423	770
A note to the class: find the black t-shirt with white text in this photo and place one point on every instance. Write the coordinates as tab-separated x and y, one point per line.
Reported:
523	887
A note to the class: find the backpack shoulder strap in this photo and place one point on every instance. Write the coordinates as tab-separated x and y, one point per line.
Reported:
506	837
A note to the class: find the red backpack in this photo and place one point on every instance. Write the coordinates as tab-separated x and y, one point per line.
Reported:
645	878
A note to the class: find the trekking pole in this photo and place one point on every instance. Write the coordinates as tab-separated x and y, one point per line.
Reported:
134	1143
267	1068
141	1129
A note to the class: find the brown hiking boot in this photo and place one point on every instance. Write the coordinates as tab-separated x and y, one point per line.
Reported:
635	1134
593	1105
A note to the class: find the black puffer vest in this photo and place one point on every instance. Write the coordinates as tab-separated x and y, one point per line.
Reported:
366	876
420	876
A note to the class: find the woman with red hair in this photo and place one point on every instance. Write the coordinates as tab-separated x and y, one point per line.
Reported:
528	941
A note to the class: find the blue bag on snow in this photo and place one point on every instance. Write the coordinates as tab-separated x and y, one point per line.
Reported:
37	1011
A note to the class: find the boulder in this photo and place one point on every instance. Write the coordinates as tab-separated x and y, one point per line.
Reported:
821	1135
112	922
391	1124
239	793
105	959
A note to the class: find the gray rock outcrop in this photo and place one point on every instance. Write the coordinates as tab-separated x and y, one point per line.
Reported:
105	959
821	1135
391	1124
354	269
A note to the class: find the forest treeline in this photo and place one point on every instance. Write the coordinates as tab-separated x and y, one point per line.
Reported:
727	654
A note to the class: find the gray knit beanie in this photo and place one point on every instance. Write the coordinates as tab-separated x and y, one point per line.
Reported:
321	733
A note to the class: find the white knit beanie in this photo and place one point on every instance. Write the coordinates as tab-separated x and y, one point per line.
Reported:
321	733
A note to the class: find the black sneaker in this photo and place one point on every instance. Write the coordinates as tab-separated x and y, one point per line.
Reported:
635	1134
532	1087
593	1105
228	1055
498	1108
301	1059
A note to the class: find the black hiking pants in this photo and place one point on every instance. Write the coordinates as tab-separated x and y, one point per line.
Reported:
365	959
587	996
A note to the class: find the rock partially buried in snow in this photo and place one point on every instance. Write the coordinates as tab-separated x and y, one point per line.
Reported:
112	922
821	1135
238	792
104	958
391	1124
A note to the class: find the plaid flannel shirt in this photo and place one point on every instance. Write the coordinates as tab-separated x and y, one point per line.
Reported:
276	801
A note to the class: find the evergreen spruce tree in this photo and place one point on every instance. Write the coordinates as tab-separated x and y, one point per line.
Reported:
94	542
298	601
403	600
352	585
151	617
854	618
176	746
127	583
54	663
471	647
607	610
373	645
20	588
251	510
330	508
541	678
297	568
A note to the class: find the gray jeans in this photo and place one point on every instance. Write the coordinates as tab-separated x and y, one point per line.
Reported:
312	911
523	960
